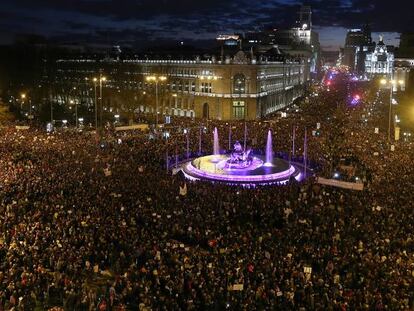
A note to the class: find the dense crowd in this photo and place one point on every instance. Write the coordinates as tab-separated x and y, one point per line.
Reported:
87	225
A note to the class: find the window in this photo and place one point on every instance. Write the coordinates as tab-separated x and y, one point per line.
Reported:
238	110
193	86
239	84
206	87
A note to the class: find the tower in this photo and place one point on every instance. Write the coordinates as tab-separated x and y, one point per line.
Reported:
305	17
366	30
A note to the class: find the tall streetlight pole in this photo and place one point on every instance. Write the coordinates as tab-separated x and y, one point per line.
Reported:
22	98
76	113
391	84
156	79
74	101
95	80
51	111
101	79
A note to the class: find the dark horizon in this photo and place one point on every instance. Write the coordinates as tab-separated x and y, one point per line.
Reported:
143	23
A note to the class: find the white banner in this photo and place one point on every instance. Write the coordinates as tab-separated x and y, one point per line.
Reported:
141	127
397	133
340	184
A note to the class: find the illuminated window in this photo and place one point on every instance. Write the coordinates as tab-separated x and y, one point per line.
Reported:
206	87
239	84
238	109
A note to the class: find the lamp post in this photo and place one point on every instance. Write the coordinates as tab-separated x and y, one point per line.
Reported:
156	79
175	103
74	101
22	98
95	84
101	79
391	84
76	113
95	80
51	111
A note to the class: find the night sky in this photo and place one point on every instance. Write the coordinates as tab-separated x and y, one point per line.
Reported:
139	22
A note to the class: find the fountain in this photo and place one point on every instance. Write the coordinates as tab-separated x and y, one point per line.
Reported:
269	150
216	147
241	167
239	158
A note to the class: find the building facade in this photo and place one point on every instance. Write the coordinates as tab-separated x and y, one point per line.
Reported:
240	86
404	61
380	61
358	43
299	41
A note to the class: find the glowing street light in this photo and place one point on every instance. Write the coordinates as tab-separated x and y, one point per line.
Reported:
95	80
156	79
392	84
101	80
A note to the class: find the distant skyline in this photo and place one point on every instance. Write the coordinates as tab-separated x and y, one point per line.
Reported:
145	22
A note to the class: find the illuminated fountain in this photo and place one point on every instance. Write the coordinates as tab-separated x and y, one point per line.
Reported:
241	166
216	146
269	150
239	158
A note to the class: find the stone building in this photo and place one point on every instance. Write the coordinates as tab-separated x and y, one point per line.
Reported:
380	61
241	85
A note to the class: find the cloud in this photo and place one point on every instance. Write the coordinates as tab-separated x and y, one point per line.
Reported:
189	19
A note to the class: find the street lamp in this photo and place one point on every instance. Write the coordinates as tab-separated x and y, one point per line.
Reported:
156	79
95	83
101	79
391	84
175	104
76	111
22	97
76	107
95	80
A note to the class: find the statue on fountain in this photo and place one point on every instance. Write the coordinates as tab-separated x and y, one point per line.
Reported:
239	158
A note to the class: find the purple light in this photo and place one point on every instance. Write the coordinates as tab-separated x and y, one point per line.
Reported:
275	177
355	100
241	168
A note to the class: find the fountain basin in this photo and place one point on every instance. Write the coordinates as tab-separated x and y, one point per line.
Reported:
215	168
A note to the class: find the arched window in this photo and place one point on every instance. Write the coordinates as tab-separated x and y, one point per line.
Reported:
239	84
